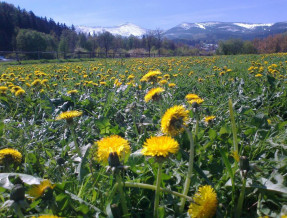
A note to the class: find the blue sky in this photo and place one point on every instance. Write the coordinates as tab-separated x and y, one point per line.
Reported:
152	14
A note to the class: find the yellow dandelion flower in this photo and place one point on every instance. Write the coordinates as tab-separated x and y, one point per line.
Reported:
150	76
204	203
15	88
4	76
37	191
103	83
209	118
189	97
167	76
36	82
117	83
69	115
153	94
10	155
111	144
173	120
72	92
258	75
222	73
162	82
130	77
171	85
44	81
3	88
20	92
160	146
198	101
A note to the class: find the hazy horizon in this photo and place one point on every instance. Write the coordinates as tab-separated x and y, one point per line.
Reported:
155	14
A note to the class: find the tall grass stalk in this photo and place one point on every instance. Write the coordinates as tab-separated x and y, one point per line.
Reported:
233	126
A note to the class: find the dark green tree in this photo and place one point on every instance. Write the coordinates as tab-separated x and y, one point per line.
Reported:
34	41
106	40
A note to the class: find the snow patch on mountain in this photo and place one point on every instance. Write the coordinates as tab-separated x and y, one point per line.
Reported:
204	25
210	23
123	30
200	25
185	26
253	25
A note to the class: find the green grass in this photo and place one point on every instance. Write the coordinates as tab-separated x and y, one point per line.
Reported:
85	188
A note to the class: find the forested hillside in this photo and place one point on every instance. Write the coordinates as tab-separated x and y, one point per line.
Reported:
13	19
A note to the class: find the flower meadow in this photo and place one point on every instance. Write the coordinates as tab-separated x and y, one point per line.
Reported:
155	137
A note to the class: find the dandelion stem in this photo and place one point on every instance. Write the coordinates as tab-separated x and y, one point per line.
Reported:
189	171
241	198
122	195
160	107
113	191
233	126
153	187
135	124
196	125
157	191
7	167
75	140
259	213
16	111
18	211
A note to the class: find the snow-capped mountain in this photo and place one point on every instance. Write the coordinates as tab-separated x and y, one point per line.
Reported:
214	31
126	30
205	25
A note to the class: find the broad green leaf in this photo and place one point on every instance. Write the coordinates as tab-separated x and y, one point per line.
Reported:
212	134
28	179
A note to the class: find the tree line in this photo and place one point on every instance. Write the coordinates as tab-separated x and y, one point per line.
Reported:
271	44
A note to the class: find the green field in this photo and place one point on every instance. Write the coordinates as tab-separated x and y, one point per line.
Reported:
240	152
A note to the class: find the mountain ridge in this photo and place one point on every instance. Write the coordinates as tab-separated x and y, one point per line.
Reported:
125	29
215	30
